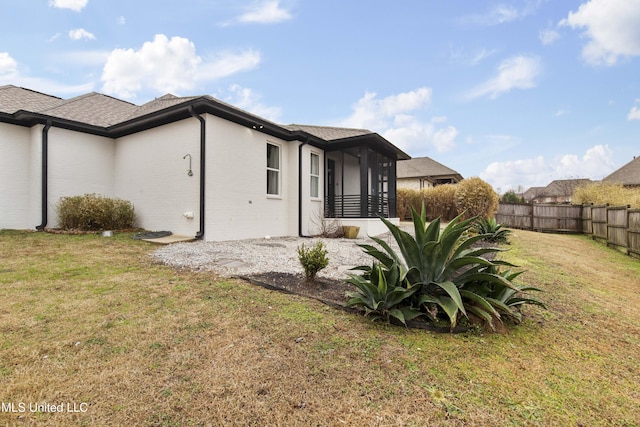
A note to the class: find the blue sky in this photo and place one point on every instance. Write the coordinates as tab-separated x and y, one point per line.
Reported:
516	92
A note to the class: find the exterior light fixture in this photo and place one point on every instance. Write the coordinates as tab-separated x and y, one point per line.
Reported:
189	171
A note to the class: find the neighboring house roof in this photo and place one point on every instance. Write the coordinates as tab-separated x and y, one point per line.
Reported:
564	187
559	188
425	167
532	193
628	174
104	115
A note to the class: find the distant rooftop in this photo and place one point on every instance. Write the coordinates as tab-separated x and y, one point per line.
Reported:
423	167
628	175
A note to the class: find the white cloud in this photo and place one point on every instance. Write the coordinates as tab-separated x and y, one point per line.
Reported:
395	118
122	20
10	74
548	36
519	72
81	33
612	28
226	64
248	100
75	5
168	65
8	66
370	112
470	58
503	13
481	55
596	163
53	38
263	12
634	114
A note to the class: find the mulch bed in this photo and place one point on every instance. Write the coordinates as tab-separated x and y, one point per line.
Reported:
327	291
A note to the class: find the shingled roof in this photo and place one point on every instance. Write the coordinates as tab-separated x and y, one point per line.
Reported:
329	133
93	109
564	187
627	175
158	104
104	115
421	167
13	98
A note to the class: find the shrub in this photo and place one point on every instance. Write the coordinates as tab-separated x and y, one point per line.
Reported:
440	202
492	231
452	276
602	193
475	197
406	198
92	212
511	197
312	259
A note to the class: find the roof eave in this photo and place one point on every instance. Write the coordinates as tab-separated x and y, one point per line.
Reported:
29	119
205	105
372	139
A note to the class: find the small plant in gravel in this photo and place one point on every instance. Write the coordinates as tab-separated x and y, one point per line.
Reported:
313	259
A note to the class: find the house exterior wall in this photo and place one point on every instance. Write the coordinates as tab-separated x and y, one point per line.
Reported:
237	204
78	164
150	172
312	208
15	147
413	183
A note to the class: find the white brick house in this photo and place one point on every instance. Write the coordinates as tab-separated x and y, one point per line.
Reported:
191	165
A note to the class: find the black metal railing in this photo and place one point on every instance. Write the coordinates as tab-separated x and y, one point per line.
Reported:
351	206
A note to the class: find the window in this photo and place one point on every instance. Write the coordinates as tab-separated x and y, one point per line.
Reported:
273	170
315	175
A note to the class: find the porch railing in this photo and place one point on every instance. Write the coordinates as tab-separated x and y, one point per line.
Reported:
350	206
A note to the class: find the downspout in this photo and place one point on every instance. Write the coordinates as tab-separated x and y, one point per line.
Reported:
45	175
200	233
305	142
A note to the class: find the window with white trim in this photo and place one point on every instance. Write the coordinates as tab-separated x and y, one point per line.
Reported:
315	175
273	170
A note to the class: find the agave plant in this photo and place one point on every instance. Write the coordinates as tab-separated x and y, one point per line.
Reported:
506	301
444	265
494	232
383	293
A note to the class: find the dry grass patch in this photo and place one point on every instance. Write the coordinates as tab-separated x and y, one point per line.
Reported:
91	319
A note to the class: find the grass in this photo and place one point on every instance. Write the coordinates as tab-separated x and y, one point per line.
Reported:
86	319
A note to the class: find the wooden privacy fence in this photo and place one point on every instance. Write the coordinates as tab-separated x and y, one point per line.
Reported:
618	226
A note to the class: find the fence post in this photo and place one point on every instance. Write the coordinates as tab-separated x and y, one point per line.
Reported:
533	206
628	245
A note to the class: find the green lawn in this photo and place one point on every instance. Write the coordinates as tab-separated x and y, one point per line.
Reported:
90	323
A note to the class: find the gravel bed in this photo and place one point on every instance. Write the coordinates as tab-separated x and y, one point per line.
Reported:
254	256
